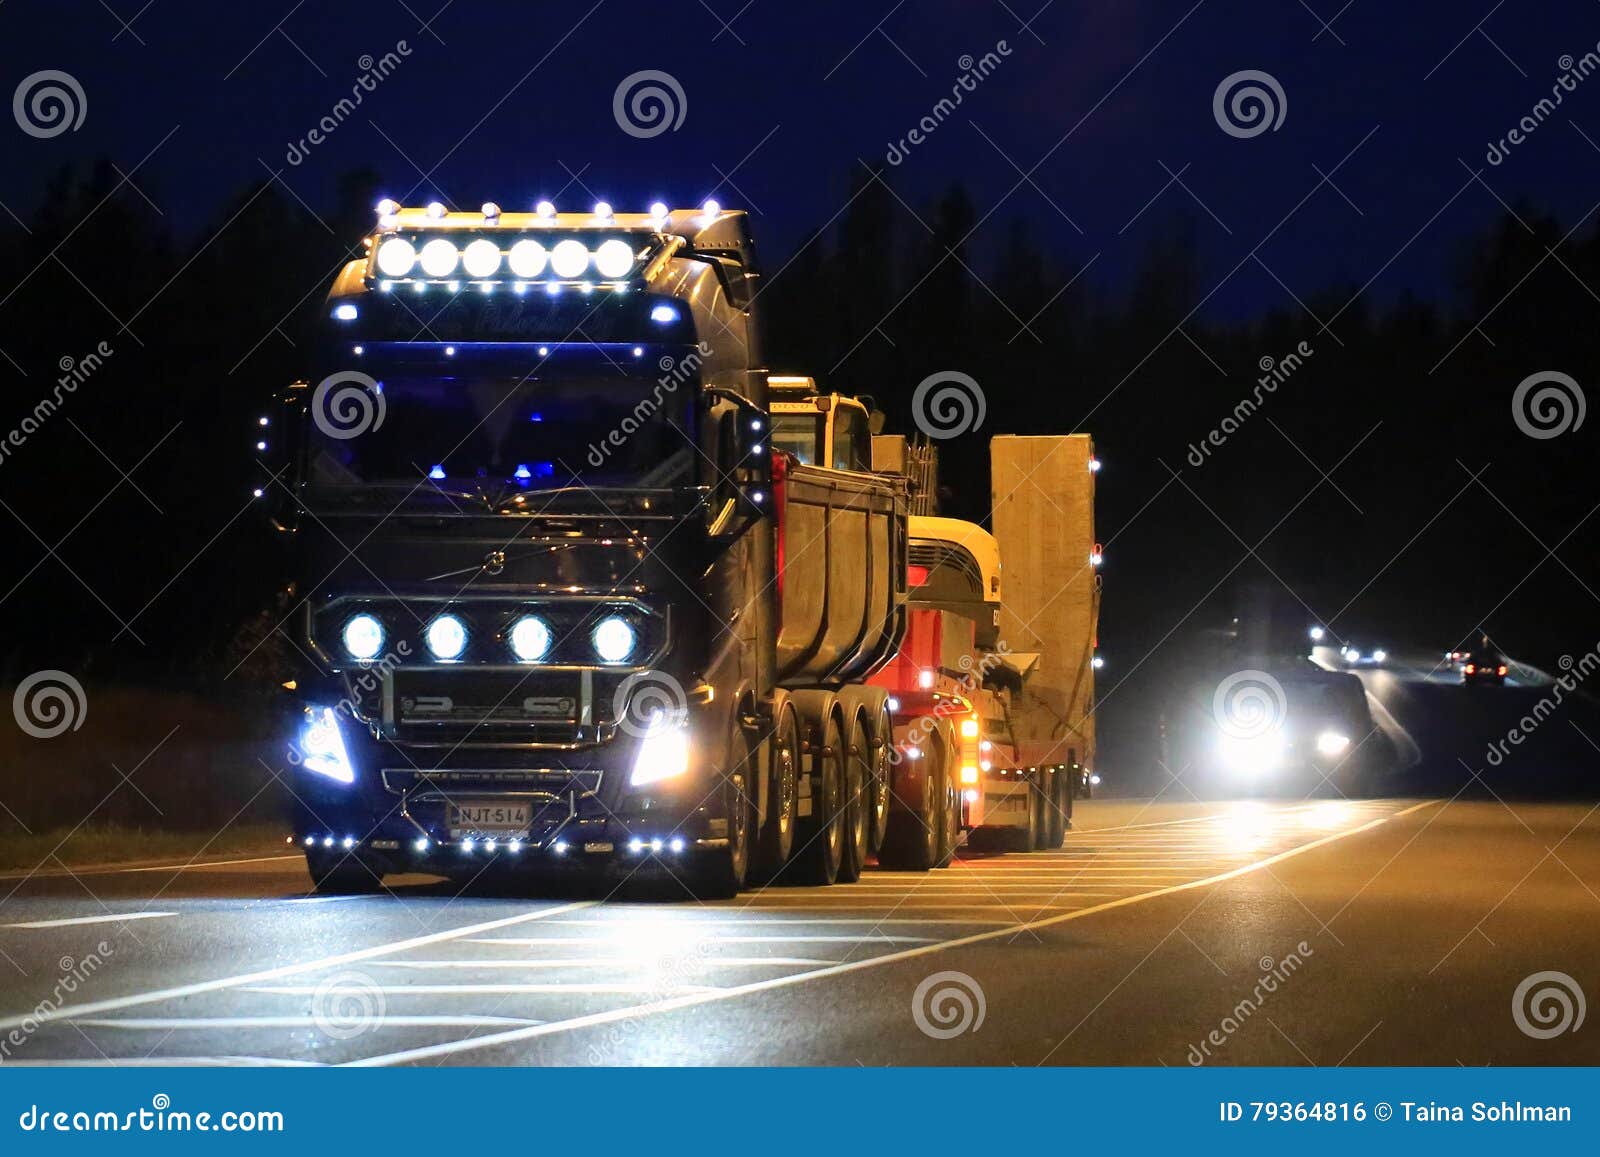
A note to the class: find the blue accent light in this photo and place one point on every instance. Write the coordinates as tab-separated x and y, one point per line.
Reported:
345	312
437	474
522	473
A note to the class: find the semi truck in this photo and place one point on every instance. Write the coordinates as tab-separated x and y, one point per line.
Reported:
560	603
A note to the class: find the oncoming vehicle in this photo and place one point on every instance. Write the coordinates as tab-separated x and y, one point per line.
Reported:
1356	656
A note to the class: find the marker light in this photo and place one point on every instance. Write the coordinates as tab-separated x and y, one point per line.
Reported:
1332	743
349	842
658	209
322	747
925	678
893	704
488	845
969	774
396	256
345	312
569	258
613	639
421	845
1097	662
481	258
311	841
677	844
969	729
970	795
522	473
663	314
467	845
1094	465
614	258
1317	633
447	637
1096	558
439	258
363	637
711	208
437	474
388	207
636	845
602	209
663	753
435	209
545	209
530	639
327	841
491	210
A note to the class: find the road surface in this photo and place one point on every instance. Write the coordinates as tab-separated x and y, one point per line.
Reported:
1284	932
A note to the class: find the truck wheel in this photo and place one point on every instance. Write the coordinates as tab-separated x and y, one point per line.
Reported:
912	841
857	763
950	807
1057	800
823	837
336	873
882	737
1038	817
724	869
777	835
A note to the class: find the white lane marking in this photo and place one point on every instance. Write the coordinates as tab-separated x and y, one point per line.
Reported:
178	1023
168	1063
114	870
492	1040
641	961
593	941
893	904
112	918
111	1004
633	989
625	919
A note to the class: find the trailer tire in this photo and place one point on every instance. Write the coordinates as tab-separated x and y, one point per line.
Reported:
777	834
817	860
882	736
722	871
912	841
336	873
949	799
856	760
1057	802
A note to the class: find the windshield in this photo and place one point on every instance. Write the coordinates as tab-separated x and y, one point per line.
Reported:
797	434
505	433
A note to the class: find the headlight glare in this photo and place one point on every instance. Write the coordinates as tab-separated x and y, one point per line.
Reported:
530	639
613	639
1332	743
663	752
363	637
322	746
447	637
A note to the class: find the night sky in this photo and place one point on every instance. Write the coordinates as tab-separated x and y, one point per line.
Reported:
1096	102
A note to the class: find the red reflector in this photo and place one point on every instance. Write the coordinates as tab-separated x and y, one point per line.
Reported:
1501	671
1470	668
916	576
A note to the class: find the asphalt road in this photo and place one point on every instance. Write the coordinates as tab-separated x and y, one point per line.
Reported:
1326	932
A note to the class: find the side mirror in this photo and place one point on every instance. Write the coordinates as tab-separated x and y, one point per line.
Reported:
280	438
742	491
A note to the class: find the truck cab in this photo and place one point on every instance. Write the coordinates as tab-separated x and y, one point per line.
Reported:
819	429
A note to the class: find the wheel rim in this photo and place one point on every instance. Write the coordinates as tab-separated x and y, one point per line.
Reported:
832	793
880	784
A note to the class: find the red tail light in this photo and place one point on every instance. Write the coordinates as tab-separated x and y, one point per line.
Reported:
916	576
1500	671
1471	668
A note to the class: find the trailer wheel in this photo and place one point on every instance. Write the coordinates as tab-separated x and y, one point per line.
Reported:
335	873
882	737
822	847
1056	803
912	840
857	763
949	800
723	872
777	835
1038	817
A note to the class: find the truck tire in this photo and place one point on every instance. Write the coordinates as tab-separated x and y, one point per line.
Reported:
882	739
777	834
857	764
912	841
949	800
822	838
1058	800
722	871
1038	815
337	873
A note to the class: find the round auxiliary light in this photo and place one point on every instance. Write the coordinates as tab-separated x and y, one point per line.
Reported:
530	639
447	637
388	207
545	209
491	210
363	637
396	256
614	258
569	258
527	258
481	258
602	209
439	258
436	209
658	209
613	639
711	208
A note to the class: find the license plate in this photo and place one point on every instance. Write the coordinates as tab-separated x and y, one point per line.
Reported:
485	817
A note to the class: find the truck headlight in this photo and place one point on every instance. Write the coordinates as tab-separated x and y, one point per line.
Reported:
613	639
322	746
530	639
663	752
447	638
363	637
1252	755
1332	743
